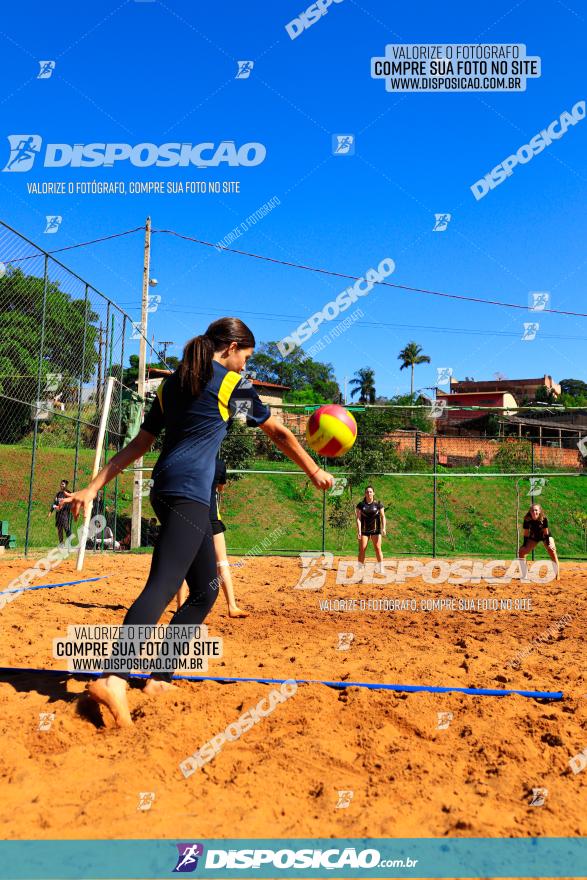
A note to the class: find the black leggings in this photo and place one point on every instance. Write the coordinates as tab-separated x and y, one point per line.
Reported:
184	551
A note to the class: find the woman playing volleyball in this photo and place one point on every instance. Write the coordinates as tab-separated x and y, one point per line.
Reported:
536	530
193	405
370	524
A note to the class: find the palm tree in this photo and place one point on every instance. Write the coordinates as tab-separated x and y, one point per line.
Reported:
365	385
410	356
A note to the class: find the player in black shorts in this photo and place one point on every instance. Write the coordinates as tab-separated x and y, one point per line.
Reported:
370	525
194	406
223	577
536	530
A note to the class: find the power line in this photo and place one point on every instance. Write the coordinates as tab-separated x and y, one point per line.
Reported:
273	316
329	272
80	244
475	299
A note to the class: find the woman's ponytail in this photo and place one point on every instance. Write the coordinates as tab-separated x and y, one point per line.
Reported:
195	369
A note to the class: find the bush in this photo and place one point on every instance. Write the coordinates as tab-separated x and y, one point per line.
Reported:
238	447
266	448
411	461
514	456
340	517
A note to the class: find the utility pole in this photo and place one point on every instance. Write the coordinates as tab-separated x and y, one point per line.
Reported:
137	499
99	377
165	344
345	397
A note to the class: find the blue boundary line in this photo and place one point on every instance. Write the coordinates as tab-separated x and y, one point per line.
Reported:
339	685
52	586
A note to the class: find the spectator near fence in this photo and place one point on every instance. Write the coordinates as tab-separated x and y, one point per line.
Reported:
62	516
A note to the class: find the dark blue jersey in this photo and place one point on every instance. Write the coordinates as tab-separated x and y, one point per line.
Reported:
195	428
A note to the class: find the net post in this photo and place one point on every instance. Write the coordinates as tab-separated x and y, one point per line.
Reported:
435	457
324	515
97	456
80	390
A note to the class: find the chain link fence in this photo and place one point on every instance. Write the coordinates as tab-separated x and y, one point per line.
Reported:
60	339
446	490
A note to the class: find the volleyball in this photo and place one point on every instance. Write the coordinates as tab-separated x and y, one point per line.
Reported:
331	430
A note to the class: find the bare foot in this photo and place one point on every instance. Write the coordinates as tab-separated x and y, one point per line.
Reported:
156	686
235	611
111	692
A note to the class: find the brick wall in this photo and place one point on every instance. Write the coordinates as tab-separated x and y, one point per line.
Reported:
455	450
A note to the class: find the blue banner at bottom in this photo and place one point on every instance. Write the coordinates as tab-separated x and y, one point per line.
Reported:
305	857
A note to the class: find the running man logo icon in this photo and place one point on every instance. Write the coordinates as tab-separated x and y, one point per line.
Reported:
338	487
145	487
40	410
530	331
437	409
137	330
24	148
146	799
578	762
343	145
314	567
344	799
46	69
441	222
537	484
247	379
153	301
46	719
538	300
52	381
344	641
188	855
53	223
444	719
539	795
443	375
244	69
240	409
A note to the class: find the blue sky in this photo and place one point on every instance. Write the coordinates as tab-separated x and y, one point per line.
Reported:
155	72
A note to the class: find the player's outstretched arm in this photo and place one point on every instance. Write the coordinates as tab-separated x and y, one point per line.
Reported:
135	449
287	443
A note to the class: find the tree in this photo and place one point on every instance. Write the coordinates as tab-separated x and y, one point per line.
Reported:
545	395
410	356
130	374
299	372
21	311
364	383
238	447
573	387
513	456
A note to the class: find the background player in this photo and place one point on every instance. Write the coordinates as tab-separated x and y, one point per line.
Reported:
62	512
371	524
223	576
536	530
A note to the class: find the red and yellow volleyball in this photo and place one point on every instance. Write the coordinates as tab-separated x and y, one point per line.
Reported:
331	430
